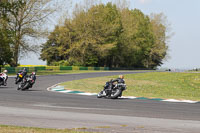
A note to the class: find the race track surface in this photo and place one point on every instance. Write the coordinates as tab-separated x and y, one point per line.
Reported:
41	108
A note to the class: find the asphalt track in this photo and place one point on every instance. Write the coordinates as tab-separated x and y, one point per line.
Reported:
41	108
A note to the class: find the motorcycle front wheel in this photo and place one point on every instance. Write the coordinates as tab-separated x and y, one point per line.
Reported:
99	95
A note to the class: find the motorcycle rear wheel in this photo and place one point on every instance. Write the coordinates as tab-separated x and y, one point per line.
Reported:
115	93
25	87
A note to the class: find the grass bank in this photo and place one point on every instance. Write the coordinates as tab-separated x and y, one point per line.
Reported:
16	129
154	85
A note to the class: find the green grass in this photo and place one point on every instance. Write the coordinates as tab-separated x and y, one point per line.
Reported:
16	129
46	72
66	72
153	85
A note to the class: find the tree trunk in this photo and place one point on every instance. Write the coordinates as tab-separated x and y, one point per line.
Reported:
16	53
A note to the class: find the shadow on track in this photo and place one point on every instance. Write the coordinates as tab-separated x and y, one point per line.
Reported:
4	87
29	90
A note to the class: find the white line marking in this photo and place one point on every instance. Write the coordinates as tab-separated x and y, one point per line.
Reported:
54	89
87	94
129	97
180	101
64	91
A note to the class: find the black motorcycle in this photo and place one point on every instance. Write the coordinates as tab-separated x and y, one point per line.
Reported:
1	81
27	83
20	76
112	91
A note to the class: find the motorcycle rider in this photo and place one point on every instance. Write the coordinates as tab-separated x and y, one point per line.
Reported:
30	79
24	71
33	77
109	85
4	76
119	80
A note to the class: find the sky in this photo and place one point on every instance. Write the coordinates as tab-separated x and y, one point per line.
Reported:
184	19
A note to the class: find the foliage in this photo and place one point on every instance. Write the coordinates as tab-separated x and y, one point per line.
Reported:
105	35
60	63
24	18
6	34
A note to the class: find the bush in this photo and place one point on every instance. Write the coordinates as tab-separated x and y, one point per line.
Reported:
60	63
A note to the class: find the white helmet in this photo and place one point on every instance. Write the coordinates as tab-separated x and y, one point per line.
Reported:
5	71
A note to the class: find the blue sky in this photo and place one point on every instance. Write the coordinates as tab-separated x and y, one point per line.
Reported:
184	17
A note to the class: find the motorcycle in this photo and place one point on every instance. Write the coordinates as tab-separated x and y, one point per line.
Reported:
20	76
2	79
112	91
27	83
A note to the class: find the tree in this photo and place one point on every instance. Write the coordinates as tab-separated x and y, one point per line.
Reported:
26	21
159	27
105	35
136	39
5	33
87	39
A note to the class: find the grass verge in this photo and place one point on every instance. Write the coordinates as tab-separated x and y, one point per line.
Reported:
46	72
154	85
65	72
16	129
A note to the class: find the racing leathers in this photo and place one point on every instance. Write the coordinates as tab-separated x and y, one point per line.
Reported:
110	84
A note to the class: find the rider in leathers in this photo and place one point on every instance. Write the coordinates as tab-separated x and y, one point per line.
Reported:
119	80
110	85
33	77
24	71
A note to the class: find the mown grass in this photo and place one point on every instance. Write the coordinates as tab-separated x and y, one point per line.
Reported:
46	72
16	129
153	85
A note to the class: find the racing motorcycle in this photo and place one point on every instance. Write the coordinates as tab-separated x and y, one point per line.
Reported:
2	76
20	76
111	90
27	83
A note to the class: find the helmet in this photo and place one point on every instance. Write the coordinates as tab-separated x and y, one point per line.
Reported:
5	71
121	76
33	73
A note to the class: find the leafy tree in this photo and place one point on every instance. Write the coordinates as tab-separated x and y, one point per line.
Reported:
5	33
159	28
88	38
105	35
26	18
